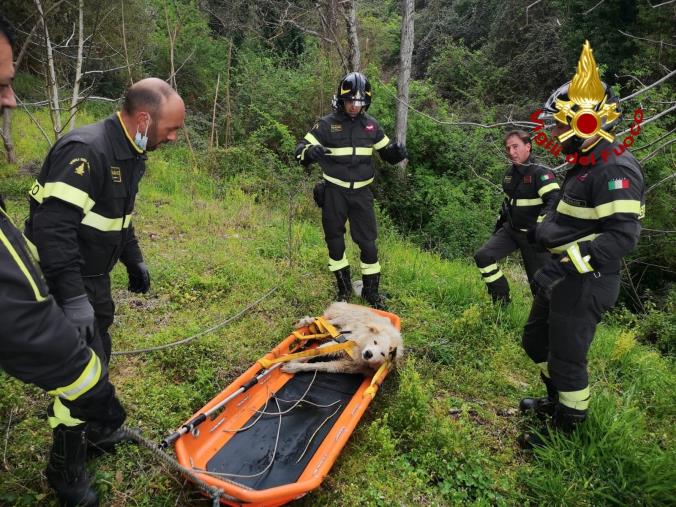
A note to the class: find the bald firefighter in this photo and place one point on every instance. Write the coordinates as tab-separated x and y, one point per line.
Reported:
595	224
81	205
531	192
343	143
39	345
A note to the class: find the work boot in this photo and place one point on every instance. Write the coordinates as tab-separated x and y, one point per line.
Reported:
370	293
565	420
101	440
344	284
66	471
542	407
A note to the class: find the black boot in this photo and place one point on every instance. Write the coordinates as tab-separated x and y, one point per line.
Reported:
102	439
66	471
565	420
370	293
544	406
344	284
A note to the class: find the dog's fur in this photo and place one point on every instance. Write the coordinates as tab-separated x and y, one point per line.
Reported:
375	337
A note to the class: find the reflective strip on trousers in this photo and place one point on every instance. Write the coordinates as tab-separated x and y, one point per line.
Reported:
62	415
544	368
489	268
579	400
370	269
87	379
494	277
336	265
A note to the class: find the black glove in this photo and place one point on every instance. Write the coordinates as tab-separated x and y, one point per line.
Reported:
318	193
81	314
400	151
139	278
316	152
548	277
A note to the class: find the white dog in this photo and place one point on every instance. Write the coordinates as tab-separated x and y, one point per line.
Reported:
375	337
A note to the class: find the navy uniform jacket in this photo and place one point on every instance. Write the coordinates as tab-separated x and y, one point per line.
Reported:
596	221
81	206
352	142
532	191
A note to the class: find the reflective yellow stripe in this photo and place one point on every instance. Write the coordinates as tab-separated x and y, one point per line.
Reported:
600	211
563	248
581	263
62	415
544	368
341	152
301	156
488	269
528	202
32	249
87	379
311	139
382	143
336	265
578	400
347	184
364	151
106	224
494	277
548	188
63	191
541	218
370	269
126	133
5	241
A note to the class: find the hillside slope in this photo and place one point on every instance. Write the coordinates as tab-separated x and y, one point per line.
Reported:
441	432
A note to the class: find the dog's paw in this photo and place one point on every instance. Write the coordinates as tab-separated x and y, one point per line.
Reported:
291	367
303	322
357	286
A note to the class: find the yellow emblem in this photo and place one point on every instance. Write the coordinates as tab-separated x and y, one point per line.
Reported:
344	91
80	168
587	93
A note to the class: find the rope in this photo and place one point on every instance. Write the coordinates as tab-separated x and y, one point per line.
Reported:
214	493
201	333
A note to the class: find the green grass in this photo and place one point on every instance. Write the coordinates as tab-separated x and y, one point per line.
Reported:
442	430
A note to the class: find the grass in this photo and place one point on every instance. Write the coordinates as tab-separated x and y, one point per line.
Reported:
441	431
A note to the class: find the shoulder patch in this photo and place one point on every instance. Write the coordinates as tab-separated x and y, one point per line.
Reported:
546	177
80	165
528	179
370	127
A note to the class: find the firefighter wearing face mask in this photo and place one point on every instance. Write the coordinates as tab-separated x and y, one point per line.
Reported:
343	143
595	224
82	202
532	191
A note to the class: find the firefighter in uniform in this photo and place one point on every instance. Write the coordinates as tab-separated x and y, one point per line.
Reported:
595	224
532	191
343	143
82	202
38	345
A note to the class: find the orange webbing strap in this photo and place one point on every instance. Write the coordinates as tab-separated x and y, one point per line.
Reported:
377	379
320	351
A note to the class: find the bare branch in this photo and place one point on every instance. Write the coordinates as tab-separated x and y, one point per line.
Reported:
634	150
528	8
656	150
589	10
671	176
660	5
37	124
643	90
661	43
650	120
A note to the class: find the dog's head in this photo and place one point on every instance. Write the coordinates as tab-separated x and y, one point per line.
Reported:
382	342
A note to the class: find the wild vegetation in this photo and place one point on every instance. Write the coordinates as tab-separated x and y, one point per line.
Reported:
226	214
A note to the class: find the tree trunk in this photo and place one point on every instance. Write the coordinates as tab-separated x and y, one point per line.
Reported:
78	67
6	134
405	56
352	38
52	85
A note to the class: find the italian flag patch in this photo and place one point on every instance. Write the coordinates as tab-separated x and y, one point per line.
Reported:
547	177
618	184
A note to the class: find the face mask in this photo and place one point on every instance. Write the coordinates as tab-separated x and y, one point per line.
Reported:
142	140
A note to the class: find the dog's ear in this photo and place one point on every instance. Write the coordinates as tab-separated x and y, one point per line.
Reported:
374	329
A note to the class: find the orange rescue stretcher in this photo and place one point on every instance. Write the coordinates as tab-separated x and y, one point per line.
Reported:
276	435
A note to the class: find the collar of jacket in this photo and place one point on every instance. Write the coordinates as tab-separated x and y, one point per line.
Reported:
123	144
528	166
